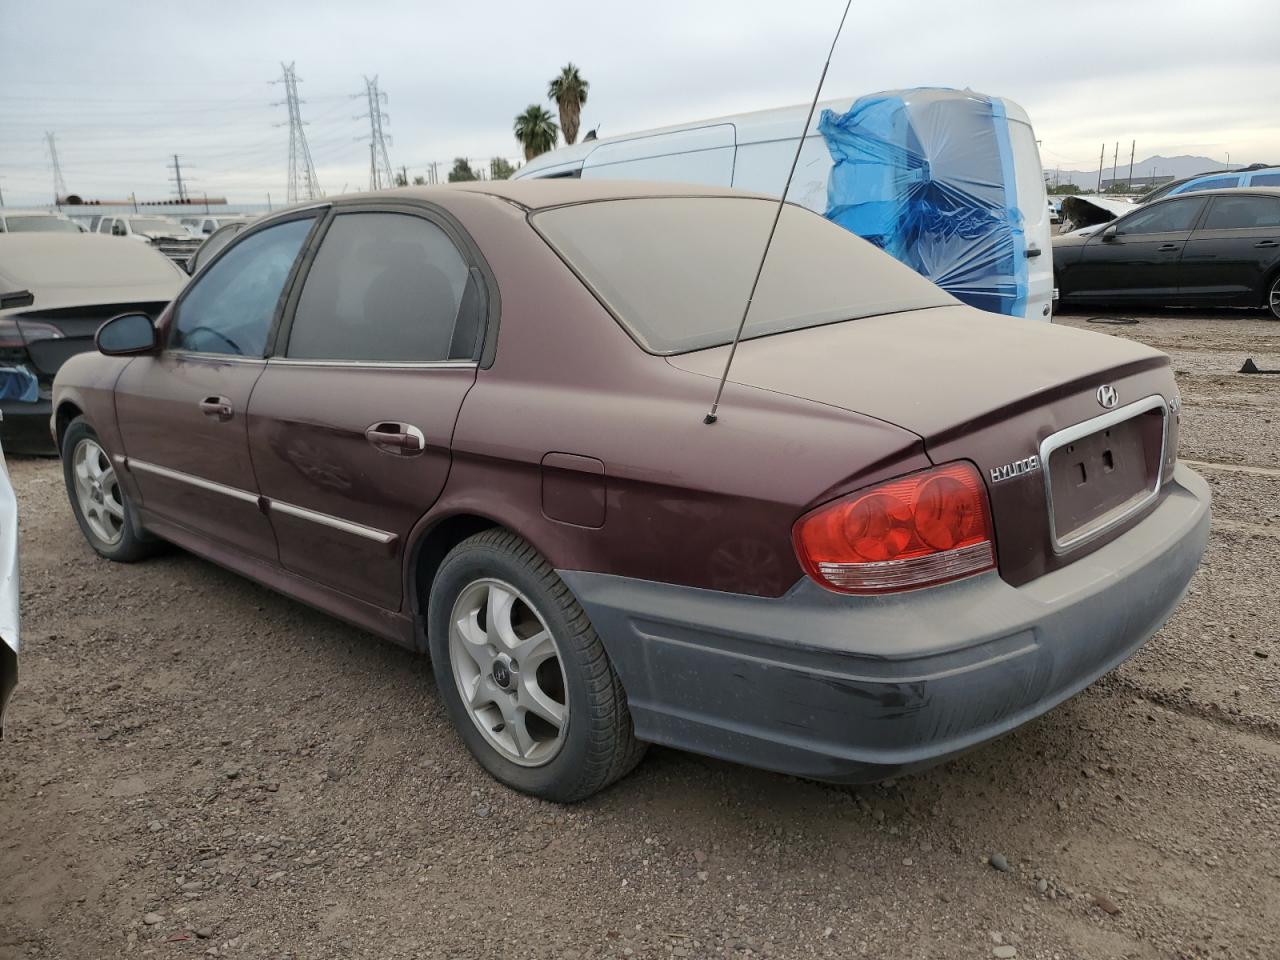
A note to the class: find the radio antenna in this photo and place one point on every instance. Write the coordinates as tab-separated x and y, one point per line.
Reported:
777	215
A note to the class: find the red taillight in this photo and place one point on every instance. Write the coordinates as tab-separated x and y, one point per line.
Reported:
926	528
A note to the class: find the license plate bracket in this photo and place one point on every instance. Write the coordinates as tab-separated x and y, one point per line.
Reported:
1103	470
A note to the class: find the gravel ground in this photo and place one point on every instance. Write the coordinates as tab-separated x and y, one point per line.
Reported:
196	766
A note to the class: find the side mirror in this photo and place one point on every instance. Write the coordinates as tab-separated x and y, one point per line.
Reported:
126	335
1110	233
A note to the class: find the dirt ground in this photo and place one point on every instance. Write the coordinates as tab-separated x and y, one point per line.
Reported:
196	766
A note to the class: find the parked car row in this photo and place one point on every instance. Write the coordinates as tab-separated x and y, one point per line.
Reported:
470	419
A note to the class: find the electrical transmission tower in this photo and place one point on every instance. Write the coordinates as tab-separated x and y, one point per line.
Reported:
302	172
380	174
176	167
59	185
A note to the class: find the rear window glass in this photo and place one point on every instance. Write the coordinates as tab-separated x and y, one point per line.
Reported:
676	271
40	225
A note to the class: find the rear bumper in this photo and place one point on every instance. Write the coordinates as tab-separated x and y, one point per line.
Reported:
25	428
852	689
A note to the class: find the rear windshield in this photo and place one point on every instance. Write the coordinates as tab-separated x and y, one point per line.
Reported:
40	225
676	271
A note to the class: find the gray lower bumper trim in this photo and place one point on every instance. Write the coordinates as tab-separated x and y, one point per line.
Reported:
854	688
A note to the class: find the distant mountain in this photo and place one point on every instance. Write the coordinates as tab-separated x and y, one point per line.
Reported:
1176	167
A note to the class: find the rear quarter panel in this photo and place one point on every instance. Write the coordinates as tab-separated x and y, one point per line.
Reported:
685	502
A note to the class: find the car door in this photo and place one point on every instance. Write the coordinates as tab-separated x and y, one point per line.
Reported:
1137	256
1233	251
182	412
351	424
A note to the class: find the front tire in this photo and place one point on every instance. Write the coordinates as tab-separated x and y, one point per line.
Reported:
523	675
1272	299
98	501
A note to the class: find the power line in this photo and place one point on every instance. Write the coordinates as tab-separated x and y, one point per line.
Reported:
380	174
302	172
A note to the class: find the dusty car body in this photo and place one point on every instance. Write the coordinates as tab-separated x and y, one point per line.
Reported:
75	282
1210	248
913	527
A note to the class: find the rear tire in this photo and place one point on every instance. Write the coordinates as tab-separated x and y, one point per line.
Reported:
1271	300
555	725
100	505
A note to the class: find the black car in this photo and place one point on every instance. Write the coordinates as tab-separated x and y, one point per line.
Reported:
1215	248
56	289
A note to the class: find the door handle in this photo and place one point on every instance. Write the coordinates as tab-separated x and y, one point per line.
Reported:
1267	243
1033	252
1169	246
400	439
219	407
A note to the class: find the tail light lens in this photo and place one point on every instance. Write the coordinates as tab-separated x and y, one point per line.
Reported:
919	530
16	334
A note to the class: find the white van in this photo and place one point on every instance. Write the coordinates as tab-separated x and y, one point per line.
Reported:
753	151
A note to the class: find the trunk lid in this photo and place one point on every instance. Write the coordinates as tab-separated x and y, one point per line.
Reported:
991	389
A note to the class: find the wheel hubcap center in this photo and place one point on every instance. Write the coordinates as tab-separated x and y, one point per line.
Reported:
503	668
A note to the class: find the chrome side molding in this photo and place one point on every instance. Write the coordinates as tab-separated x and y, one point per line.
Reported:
266	504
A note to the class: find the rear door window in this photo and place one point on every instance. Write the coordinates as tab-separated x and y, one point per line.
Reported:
1265	180
229	307
1242	213
386	287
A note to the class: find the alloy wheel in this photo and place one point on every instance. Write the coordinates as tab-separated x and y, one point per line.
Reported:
98	492
1274	300
507	668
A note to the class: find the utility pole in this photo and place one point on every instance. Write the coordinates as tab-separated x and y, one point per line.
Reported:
404	174
176	167
1133	145
380	174
1228	160
1102	158
59	185
302	172
1115	163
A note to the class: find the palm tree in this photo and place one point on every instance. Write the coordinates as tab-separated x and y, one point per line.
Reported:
569	92
536	131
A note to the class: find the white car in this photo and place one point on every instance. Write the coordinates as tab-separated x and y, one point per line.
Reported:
173	239
8	591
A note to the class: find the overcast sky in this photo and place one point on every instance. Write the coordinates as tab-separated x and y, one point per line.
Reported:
125	85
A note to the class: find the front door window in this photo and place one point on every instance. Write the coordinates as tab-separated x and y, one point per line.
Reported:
229	308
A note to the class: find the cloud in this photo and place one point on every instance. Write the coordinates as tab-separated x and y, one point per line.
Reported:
127	85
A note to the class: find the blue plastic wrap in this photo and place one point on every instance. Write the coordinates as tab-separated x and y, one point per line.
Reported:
927	175
18	383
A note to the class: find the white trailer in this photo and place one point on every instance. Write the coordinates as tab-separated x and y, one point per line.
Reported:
897	187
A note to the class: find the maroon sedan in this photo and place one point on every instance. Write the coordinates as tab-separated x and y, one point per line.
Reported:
470	420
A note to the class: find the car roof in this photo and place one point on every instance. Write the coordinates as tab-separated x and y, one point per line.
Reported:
536	194
70	269
1220	192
